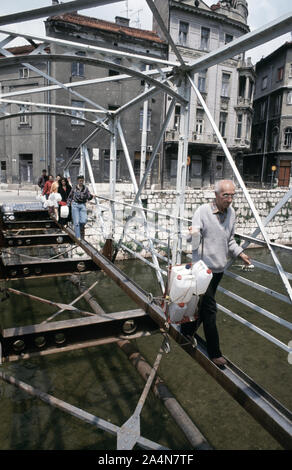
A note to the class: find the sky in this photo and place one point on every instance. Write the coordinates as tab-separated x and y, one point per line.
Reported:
261	12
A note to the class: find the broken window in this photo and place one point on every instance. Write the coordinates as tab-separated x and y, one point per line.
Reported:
205	38
23	72
239	126
78	114
280	74
200	121
202	81
222	123
228	38
183	33
225	84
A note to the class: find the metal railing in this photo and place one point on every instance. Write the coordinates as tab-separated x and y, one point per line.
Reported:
161	231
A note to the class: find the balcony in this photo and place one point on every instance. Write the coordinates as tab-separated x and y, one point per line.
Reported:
204	138
172	135
244	102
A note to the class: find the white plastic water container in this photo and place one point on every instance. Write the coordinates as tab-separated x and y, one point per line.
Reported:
186	280
192	305
64	212
183	312
181	283
203	276
176	312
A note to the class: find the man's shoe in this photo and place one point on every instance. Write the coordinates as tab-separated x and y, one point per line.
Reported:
219	361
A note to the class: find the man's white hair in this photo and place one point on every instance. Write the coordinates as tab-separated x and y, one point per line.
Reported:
218	185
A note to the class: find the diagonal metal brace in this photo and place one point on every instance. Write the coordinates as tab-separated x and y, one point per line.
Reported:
129	433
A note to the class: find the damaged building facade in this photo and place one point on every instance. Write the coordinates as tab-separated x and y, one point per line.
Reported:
227	88
271	157
30	143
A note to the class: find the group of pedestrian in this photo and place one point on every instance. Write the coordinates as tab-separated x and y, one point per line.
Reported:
64	202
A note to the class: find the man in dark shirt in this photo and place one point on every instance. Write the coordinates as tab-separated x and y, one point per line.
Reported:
42	179
77	200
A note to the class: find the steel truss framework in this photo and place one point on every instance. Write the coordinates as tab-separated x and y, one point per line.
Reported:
173	78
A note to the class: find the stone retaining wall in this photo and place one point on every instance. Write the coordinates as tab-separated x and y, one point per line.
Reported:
279	229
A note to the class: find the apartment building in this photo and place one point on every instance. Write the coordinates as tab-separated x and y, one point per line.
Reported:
227	88
31	142
271	155
24	137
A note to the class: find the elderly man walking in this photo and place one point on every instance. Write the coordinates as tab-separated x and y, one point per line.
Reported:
212	233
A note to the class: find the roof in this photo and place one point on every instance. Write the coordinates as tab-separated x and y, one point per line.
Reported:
108	26
273	54
21	50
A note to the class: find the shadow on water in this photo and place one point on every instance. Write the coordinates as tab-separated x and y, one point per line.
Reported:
101	380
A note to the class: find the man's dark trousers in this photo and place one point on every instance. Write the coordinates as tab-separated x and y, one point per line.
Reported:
207	316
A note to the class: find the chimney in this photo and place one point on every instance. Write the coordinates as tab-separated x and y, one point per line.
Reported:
55	2
122	21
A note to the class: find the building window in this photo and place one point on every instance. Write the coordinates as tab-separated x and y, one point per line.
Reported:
177	113
205	38
263	109
248	127
280	74
228	38
219	167
225	84
277	104
250	91
290	71
242	85
78	114
200	121
289	97
288	137
183	33
3	165
112	107
202	81
264	83
24	119
222	124
259	142
275	138
77	68
24	72
148	120
239	126
113	72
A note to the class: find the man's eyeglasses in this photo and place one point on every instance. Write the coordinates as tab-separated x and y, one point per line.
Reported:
227	195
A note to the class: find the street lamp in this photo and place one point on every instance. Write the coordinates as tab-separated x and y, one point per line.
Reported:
273	168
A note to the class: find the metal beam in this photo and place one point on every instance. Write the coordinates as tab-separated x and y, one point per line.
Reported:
22	59
53	106
46	337
76	412
89	48
165	31
50	78
246	42
275	418
244	189
93	81
35	240
53	10
43	268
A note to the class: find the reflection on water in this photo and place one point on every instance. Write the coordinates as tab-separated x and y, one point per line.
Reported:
101	380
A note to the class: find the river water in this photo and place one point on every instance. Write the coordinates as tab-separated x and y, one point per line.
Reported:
101	380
